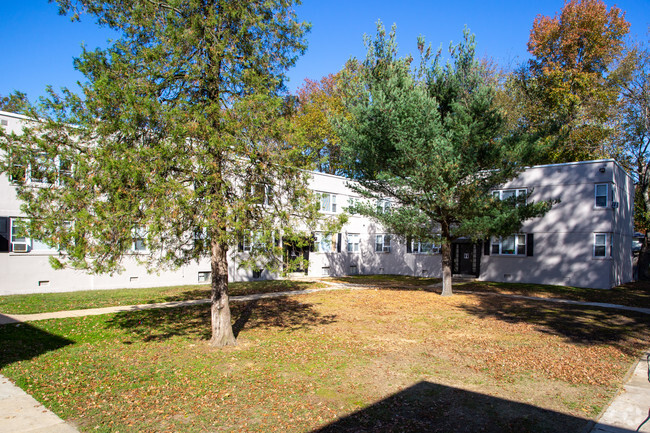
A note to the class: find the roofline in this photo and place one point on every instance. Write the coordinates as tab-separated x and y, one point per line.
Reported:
595	161
17	116
561	164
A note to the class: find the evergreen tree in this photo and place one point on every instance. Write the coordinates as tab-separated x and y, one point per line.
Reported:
433	143
177	143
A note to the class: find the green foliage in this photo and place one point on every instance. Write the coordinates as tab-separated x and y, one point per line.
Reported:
17	102
633	137
319	104
433	143
178	140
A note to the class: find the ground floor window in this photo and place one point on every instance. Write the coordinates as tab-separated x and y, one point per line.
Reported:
601	241
510	245
353	242
422	247
382	244
323	243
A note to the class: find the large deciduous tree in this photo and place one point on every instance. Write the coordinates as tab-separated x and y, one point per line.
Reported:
319	102
176	144
633	137
568	87
433	143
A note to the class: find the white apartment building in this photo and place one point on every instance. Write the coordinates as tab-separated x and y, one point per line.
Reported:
585	240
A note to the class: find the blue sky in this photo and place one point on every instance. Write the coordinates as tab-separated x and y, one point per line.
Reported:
39	45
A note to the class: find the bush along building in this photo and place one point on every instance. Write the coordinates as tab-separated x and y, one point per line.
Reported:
585	240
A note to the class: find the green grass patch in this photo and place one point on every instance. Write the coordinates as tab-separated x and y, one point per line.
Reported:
46	302
349	360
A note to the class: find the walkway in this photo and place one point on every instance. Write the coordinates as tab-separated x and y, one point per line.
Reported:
20	413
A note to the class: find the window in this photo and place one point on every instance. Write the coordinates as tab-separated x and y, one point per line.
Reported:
601	194
353	242
139	243
510	245
420	247
383	206
205	276
327	202
600	244
323	243
257	274
262	194
382	244
42	170
509	194
246	244
353	201
20	243
65	171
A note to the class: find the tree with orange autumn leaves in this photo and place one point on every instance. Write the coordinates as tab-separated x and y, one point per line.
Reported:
320	104
568	91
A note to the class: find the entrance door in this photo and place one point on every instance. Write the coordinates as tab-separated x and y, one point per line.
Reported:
293	252
465	258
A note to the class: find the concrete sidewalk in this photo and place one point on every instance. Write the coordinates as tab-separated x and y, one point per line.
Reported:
20	413
631	407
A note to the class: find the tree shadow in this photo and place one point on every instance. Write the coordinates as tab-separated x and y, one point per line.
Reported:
22	341
585	325
241	288
194	321
430	407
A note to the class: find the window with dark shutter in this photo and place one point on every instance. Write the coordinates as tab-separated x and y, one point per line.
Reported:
486	247
338	243
530	244
4	234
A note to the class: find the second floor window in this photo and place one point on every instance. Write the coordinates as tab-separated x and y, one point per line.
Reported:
383	206
327	202
601	195
517	195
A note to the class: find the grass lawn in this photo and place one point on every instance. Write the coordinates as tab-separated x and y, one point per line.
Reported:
46	302
371	360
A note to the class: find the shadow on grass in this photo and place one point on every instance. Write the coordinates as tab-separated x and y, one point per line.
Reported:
429	407
391	282
578	324
194	321
242	288
21	341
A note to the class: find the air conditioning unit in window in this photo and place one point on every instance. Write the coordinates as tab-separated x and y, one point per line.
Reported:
20	247
614	205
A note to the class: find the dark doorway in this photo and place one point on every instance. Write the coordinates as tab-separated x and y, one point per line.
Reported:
465	258
294	252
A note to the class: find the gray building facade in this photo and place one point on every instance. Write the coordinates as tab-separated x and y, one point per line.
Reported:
585	240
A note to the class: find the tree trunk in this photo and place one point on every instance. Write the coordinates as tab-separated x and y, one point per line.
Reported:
446	261
222	334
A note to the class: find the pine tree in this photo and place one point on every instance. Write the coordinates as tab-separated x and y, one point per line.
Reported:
433	144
